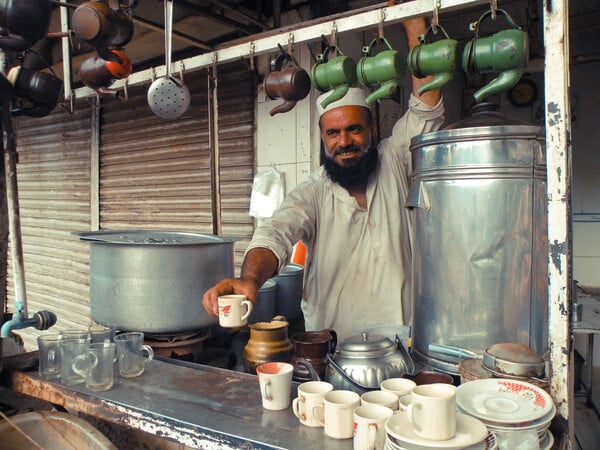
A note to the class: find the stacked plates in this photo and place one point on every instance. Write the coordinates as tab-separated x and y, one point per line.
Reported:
506	406
471	434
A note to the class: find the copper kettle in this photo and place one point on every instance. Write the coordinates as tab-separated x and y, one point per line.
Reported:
103	27
291	83
99	74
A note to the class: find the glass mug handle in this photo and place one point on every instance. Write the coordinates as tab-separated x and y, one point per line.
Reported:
149	353
83	363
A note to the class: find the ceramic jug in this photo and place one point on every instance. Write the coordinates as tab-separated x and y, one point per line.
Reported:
335	74
290	83
23	23
97	73
312	346
385	70
102	27
41	89
268	342
506	51
435	58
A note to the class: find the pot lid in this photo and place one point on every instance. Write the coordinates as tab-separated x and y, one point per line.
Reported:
151	237
484	115
513	359
365	342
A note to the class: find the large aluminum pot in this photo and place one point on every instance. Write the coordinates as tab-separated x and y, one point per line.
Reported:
153	281
480	238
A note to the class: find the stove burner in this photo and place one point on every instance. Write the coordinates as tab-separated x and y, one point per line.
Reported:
185	346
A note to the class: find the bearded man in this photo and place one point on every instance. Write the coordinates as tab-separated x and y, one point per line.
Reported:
350	215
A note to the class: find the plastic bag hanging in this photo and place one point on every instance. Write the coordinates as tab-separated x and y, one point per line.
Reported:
268	190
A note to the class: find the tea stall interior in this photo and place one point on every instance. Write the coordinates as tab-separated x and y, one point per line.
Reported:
548	107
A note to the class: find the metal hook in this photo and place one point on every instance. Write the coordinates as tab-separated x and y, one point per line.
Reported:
125	90
290	43
181	70
152	73
251	55
334	29
494	7
380	24
435	21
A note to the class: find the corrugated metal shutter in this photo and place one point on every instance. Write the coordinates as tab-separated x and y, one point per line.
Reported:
236	124
53	175
156	173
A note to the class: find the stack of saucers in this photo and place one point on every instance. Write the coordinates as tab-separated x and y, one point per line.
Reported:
508	406
471	434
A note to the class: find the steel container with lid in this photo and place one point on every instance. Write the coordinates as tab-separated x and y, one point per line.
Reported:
479	271
362	362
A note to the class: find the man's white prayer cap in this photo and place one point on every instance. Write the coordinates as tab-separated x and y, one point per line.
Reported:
354	97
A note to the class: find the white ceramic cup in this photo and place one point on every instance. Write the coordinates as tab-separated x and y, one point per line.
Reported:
336	413
132	353
275	380
369	426
382	398
398	386
405	401
234	310
50	365
310	394
432	411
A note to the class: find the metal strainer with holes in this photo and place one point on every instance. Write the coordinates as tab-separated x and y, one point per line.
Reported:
168	97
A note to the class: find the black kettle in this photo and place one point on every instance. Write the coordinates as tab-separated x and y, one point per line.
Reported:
23	23
41	89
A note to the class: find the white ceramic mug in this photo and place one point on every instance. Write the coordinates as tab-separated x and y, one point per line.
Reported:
234	310
369	426
275	380
432	411
310	394
398	386
336	413
382	398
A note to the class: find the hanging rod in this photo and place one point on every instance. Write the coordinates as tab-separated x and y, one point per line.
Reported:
297	34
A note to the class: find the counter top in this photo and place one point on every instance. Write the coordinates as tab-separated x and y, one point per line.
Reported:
193	404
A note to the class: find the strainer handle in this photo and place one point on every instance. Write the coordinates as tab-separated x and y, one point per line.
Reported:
168	34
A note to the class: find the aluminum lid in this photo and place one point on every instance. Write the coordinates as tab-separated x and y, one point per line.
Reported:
366	343
151	237
513	359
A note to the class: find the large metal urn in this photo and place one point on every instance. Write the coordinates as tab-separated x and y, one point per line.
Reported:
153	281
480	254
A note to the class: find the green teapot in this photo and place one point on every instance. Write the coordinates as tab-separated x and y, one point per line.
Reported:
385	70
338	74
436	58
506	51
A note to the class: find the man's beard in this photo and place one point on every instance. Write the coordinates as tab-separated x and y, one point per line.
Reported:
351	173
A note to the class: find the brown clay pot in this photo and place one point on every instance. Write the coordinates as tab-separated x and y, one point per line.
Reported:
312	346
268	342
430	377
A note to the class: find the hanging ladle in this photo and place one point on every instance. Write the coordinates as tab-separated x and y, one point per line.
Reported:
168	97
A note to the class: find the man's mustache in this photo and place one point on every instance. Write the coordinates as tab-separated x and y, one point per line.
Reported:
350	148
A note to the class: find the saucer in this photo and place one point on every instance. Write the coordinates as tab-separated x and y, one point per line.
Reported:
469	431
547	442
503	401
